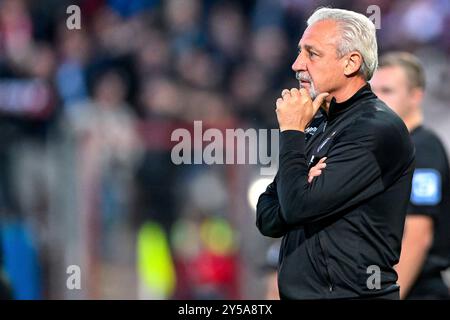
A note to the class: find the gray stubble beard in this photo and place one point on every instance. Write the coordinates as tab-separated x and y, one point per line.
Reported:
312	90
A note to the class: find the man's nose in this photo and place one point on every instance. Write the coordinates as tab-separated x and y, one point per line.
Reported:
299	64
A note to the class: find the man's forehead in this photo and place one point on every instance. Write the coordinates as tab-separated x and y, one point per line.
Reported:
320	34
392	74
389	77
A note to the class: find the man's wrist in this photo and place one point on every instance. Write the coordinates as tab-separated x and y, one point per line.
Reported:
282	129
292	140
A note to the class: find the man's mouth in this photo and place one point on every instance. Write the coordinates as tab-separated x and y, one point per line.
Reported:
303	83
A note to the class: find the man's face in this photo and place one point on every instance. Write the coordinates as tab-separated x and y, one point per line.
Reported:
317	66
391	86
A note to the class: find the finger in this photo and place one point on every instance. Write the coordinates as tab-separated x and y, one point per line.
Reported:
321	165
305	97
311	176
315	169
319	100
294	92
279	102
285	91
304	93
322	160
316	173
313	172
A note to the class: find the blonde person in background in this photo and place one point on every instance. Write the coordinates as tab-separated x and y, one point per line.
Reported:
400	83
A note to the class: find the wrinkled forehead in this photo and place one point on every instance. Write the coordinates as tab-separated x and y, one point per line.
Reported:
322	35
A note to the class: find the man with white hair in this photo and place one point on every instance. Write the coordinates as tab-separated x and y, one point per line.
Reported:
339	198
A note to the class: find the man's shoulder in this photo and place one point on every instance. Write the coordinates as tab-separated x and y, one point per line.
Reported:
373	118
380	131
424	138
375	113
430	151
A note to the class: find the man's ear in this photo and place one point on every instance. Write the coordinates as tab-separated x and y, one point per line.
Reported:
353	63
416	94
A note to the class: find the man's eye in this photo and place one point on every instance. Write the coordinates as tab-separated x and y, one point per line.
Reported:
312	54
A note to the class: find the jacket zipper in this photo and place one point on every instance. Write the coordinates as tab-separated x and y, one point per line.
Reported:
325	126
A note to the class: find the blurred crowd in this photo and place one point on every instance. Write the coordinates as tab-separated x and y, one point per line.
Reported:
85	122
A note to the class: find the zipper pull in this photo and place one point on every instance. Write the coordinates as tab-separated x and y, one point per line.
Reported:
325	126
311	161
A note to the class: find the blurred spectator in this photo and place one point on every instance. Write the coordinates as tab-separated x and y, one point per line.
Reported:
15	31
154	56
199	69
127	8
267	13
269	49
227	34
249	88
161	97
182	18
74	51
105	127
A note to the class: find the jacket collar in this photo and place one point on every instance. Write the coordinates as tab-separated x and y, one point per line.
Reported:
336	109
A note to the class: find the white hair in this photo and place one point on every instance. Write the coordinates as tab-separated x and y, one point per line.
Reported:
358	33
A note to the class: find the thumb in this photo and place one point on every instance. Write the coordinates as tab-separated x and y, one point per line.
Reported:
319	100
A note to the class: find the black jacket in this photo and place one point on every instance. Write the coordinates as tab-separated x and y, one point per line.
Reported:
348	223
430	196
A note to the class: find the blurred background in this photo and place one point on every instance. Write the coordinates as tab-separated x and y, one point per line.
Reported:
86	116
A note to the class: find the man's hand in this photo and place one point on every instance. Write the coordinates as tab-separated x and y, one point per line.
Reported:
295	109
317	169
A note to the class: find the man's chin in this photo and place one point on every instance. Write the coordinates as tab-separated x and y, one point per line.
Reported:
312	93
306	85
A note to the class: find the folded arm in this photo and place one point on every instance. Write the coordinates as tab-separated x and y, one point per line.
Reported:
351	176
